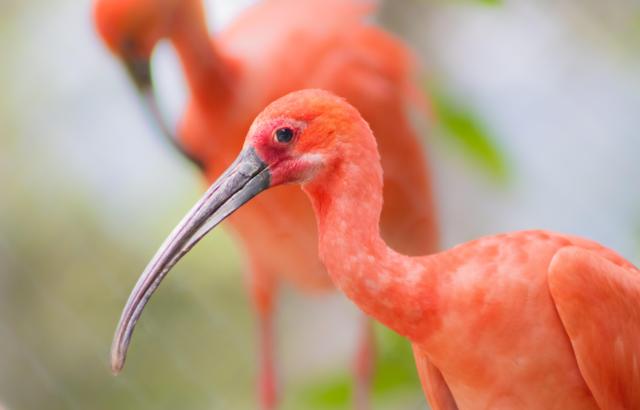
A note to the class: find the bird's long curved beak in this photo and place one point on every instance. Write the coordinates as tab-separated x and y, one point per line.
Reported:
244	179
139	69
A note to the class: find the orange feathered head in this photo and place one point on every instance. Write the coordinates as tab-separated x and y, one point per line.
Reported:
303	132
132	28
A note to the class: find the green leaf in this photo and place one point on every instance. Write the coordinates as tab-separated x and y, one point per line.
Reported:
490	2
333	392
395	375
464	129
396	369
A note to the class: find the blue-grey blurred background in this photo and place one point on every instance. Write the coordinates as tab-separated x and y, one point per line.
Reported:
538	126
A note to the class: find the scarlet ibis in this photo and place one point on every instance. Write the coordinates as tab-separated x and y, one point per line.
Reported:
273	48
523	320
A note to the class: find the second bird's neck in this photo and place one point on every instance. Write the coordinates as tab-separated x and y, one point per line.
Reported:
348	203
208	75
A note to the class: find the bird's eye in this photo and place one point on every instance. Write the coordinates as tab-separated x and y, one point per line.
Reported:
284	135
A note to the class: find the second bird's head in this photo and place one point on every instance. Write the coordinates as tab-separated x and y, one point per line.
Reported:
132	28
303	137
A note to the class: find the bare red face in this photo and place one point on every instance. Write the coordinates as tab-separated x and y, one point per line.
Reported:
280	144
297	135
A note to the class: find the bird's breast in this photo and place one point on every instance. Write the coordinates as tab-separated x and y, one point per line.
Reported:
501	343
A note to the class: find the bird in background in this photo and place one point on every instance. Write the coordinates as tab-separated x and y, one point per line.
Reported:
522	320
272	48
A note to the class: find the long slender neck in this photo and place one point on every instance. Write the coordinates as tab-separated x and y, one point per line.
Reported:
348	202
208	75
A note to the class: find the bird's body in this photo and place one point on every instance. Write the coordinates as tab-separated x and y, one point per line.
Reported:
488	314
495	302
491	315
485	315
524	320
273	48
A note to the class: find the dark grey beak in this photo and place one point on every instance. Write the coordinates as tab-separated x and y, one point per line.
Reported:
139	69
244	179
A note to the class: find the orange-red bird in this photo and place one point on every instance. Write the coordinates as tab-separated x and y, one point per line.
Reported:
273	48
524	320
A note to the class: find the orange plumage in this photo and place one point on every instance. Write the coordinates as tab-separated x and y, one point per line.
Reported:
273	48
523	320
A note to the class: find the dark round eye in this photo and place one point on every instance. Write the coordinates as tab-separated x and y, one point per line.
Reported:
284	135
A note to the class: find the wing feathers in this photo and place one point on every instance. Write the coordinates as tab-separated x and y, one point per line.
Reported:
435	387
599	305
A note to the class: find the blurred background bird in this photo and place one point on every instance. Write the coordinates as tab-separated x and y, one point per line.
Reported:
87	190
273	48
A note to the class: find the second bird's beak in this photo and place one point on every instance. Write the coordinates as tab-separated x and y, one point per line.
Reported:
244	179
139	69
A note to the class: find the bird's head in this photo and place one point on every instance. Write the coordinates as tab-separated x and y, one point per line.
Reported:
296	139
132	28
301	134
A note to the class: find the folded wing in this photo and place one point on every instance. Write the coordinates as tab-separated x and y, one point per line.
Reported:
598	301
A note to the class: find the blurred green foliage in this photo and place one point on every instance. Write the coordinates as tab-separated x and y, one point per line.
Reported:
490	2
396	383
458	124
65	277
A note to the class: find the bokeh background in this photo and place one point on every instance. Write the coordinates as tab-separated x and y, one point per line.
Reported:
537	126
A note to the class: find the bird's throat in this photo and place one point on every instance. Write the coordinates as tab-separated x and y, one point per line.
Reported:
348	203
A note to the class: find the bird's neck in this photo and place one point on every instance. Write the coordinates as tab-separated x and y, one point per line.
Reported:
208	74
348	202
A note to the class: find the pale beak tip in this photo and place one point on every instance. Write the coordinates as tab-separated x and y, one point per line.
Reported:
116	368
117	363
